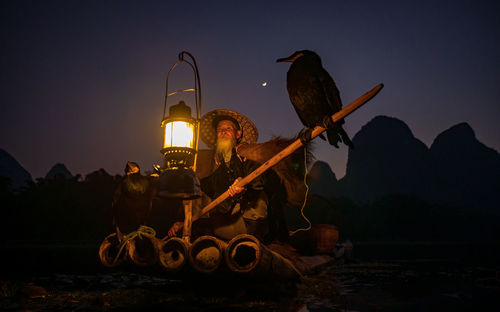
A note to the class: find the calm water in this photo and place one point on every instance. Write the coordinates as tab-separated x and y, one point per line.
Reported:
477	253
428	277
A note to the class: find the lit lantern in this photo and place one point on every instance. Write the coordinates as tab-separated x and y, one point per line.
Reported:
179	138
180	144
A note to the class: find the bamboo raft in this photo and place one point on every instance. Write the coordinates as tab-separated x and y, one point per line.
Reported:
244	254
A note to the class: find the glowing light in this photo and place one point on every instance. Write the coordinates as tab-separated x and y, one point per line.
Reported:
179	134
264	84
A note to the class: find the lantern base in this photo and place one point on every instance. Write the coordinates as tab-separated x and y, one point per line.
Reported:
178	157
180	183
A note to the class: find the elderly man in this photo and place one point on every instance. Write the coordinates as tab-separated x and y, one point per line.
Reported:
246	210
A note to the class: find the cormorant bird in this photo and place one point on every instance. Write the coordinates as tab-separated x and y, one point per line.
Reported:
314	96
132	200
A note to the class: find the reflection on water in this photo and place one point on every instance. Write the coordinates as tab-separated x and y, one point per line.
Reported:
480	253
382	276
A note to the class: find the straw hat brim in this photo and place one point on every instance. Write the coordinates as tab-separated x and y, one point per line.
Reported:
209	135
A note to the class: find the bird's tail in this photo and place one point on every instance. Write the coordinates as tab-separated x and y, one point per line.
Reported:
337	134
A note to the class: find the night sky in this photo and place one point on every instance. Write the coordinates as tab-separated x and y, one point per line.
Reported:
83	82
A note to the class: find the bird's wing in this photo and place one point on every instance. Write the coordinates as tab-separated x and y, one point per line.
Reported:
298	98
332	94
309	101
299	109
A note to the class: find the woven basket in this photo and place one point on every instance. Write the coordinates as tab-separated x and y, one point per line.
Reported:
323	238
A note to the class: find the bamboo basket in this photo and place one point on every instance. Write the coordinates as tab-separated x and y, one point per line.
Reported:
323	238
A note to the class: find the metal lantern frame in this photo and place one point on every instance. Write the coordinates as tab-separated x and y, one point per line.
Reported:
178	178
183	156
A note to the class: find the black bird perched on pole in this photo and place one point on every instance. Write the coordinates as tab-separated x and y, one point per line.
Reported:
314	96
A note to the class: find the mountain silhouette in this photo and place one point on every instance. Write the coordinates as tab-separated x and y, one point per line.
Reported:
58	170
457	170
387	159
12	169
465	172
322	180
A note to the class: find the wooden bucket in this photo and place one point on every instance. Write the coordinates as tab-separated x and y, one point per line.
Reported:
143	251
109	250
246	254
323	238
206	253
173	254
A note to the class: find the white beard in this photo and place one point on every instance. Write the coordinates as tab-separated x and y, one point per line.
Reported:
224	148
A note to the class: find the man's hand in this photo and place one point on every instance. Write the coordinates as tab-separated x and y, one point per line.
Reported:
175	228
235	190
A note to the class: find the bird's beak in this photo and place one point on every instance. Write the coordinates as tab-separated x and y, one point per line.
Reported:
285	59
290	59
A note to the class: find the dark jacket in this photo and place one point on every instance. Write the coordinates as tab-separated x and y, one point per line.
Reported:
246	213
225	175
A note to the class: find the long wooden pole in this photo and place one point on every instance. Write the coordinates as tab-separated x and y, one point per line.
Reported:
188	220
292	148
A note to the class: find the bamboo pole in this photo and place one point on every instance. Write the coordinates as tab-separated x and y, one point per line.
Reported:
188	216
110	252
143	250
292	148
246	254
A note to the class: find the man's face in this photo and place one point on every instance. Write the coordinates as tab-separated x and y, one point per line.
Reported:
227	136
226	129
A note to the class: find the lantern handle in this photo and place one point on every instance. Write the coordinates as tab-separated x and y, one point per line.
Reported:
197	90
196	81
181	91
